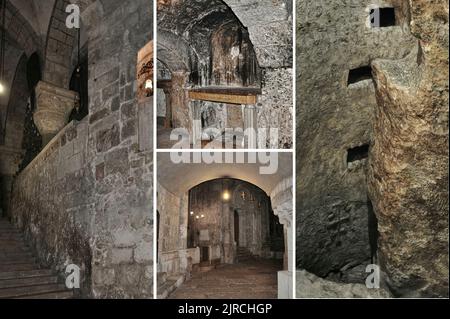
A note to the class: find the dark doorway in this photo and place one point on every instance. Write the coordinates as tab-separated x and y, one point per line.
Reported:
236	227
79	84
204	254
32	141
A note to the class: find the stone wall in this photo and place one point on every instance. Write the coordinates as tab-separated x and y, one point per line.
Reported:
122	217
174	257
52	202
95	177
333	209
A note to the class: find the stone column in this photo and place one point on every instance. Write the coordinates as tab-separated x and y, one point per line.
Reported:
54	105
196	122
250	127
282	200
168	121
284	213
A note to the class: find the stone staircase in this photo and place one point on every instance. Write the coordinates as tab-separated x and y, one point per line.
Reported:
243	254
168	284
20	275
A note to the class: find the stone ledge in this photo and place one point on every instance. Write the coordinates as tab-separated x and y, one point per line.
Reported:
51	146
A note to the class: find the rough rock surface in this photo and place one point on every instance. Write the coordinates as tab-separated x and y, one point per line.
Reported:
311	286
333	117
408	174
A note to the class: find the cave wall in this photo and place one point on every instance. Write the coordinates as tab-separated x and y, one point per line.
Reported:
408	172
334	117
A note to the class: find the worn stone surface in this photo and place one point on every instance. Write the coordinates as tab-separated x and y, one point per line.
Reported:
233	44
408	174
51	203
254	279
87	197
333	118
311	286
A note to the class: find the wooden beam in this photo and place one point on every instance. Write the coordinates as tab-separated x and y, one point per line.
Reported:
240	96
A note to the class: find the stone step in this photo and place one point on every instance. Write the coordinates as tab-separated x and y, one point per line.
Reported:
20	292
27	282
16	260
14	250
169	286
53	295
4	256
25	274
10	237
18	267
18	247
5	230
162	277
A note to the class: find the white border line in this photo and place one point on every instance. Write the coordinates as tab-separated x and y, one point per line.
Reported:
155	155
294	155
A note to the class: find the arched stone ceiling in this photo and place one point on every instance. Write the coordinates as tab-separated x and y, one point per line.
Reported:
194	21
36	12
180	178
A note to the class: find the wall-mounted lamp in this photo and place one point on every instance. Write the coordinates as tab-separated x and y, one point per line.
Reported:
226	196
2	88
149	85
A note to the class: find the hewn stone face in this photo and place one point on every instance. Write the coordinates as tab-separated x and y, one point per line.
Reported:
408	175
122	217
310	286
333	118
52	201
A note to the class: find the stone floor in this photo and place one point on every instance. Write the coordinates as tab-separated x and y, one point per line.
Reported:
252	279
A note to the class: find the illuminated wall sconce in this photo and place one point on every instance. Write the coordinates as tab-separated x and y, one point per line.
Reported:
226	196
149	85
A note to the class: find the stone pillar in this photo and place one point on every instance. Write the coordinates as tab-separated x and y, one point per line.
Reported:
285	287
54	105
168	121
282	201
250	127
196	122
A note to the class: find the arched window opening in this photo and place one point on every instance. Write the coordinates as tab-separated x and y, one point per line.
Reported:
79	84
